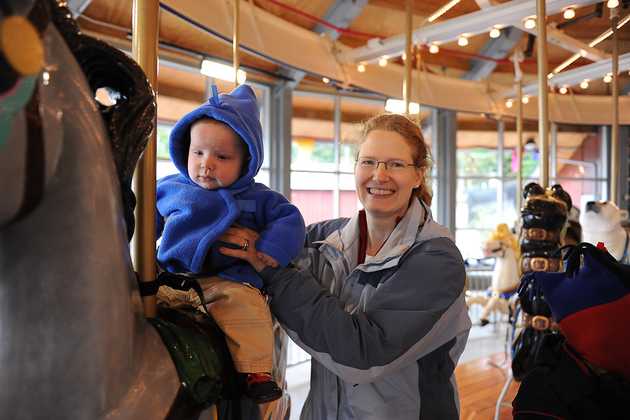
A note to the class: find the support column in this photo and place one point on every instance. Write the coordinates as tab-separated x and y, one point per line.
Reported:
280	142
443	132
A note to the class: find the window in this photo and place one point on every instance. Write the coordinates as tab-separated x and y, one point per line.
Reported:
486	186
322	165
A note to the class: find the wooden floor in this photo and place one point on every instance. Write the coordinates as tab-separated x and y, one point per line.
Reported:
480	382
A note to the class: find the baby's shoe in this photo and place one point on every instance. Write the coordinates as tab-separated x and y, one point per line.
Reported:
261	388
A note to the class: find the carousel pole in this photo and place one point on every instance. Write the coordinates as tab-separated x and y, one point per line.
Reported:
519	145
543	102
614	146
235	39
408	57
145	27
517	58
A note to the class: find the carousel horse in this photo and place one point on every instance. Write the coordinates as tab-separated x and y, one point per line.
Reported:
74	343
502	246
543	219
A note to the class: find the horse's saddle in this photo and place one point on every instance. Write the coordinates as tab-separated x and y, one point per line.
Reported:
200	354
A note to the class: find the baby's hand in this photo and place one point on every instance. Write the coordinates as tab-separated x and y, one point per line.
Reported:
270	261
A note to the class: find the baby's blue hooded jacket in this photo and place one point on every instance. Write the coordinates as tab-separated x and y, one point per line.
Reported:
191	218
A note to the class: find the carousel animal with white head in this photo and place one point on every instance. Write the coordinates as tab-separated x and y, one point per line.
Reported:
503	246
601	222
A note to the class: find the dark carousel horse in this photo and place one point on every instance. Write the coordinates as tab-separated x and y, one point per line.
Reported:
74	343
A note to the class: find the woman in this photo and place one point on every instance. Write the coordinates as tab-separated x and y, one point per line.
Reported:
377	300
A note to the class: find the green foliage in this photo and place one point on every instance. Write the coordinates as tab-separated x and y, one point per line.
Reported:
163	131
476	161
323	152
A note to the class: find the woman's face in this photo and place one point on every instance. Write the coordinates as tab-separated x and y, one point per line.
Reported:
385	192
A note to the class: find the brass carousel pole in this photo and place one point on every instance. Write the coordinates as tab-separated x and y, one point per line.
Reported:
145	27
543	103
408	57
614	146
235	40
519	144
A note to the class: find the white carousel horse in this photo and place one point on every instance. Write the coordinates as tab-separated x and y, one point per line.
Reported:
74	343
504	280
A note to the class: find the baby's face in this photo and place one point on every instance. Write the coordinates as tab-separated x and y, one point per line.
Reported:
215	156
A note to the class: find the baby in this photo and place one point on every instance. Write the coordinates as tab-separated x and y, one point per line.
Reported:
218	149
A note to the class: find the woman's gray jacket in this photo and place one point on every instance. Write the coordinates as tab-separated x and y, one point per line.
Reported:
385	335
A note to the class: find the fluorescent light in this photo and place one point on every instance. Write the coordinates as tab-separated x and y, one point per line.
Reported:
222	71
566	63
396	106
608	32
593	43
572	77
439	12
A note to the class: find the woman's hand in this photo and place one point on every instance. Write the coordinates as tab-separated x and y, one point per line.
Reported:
245	239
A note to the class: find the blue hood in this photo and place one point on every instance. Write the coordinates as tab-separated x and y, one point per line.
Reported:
239	110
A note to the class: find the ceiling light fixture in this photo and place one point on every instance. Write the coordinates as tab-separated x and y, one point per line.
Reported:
568	13
434	49
611	4
361	68
509	103
222	71
462	41
439	12
506	14
563	90
525	99
382	61
495	32
325	80
584	84
607	78
396	106
529	22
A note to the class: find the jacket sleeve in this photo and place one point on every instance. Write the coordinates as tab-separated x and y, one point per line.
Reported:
283	235
414	312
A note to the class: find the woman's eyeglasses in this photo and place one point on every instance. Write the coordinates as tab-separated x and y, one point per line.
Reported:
393	165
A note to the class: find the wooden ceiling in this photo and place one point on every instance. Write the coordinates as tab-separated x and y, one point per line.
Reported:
380	18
